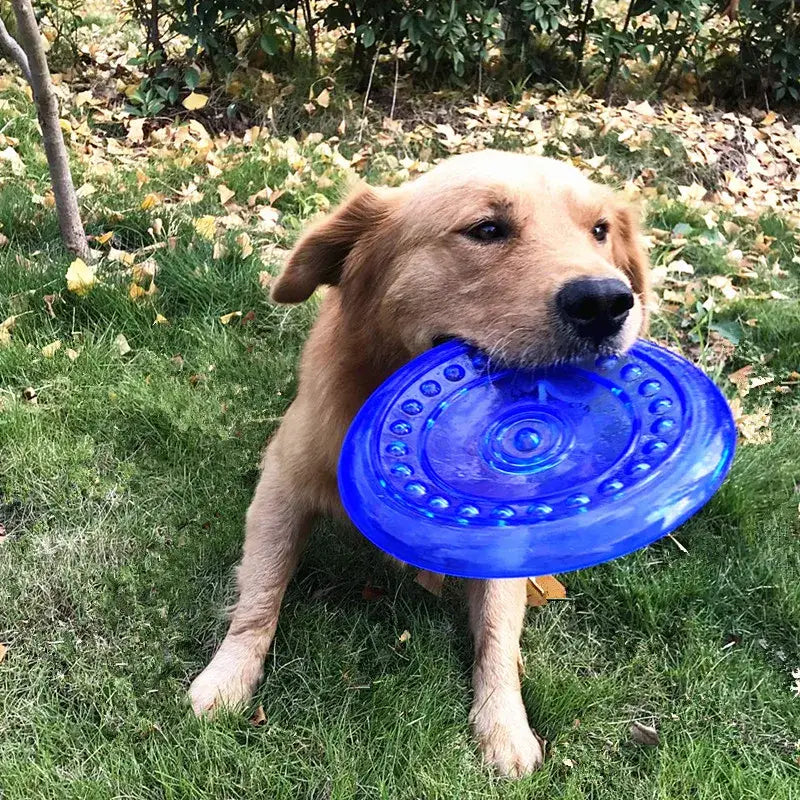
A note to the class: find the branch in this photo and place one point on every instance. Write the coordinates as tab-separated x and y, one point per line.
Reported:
10	48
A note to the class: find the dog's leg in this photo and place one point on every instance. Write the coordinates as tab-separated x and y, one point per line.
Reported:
277	527
498	717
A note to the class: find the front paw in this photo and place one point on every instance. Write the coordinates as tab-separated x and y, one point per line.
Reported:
507	742
227	682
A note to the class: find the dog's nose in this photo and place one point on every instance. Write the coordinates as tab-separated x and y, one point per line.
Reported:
595	308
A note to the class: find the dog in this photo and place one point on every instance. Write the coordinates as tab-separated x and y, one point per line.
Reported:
523	257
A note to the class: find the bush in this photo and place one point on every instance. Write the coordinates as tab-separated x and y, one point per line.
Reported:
648	43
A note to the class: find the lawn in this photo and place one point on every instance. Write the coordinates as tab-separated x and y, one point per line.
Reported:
129	451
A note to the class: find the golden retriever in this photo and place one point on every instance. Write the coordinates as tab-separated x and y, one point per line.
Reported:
523	257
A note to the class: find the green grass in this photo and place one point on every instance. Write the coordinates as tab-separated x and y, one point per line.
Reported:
123	492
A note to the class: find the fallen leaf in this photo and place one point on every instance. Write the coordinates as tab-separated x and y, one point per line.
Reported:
195	101
323	99
72	354
81	277
136	292
219	251
259	718
49	350
122	344
136	131
150	200
11	157
226	318
225	194
370	592
206	227
644	734
160	320
543	588
3	651
104	237
430	581
243	240
264	279
404	637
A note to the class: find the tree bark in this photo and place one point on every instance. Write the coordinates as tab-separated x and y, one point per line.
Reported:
44	98
10	48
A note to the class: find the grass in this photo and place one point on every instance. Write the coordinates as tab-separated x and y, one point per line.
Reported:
123	491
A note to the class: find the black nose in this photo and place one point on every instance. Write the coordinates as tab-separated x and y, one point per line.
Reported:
595	308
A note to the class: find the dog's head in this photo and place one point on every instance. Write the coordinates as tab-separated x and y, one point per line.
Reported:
522	256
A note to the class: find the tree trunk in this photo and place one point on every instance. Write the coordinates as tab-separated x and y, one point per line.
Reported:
44	98
10	48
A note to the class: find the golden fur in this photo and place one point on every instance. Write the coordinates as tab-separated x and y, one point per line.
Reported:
403	273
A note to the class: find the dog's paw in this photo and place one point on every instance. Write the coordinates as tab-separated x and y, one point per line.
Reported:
506	740
227	682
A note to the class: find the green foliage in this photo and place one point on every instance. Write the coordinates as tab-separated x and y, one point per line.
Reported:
650	44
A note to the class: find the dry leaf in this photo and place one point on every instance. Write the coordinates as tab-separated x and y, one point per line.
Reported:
160	320
543	588
3	651
323	99
195	101
226	318
72	354
136	292
264	279
243	240
741	379
49	350
122	344
81	277
219	251
149	201
104	237
644	734
404	637
136	131
206	227
259	718
430	581
225	194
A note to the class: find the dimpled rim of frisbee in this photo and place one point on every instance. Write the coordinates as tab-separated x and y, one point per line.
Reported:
462	469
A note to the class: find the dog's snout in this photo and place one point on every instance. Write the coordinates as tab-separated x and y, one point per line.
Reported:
595	308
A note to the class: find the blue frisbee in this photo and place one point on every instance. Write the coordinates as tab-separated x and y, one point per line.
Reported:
463	468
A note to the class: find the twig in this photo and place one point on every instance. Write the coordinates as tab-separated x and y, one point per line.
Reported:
396	76
366	96
13	52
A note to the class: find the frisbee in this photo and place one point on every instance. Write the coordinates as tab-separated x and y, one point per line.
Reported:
464	468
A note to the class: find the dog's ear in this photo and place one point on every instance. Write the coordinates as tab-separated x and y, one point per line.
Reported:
629	253
320	255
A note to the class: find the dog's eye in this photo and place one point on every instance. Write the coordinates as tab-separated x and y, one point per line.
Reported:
487	231
600	231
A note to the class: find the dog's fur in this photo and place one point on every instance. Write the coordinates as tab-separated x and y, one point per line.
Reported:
404	272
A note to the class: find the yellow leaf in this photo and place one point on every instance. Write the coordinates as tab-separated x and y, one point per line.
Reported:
206	227
160	320
226	318
8	323
3	651
135	292
243	240
104	237
225	194
545	587
49	350
151	199
324	98
195	101
81	277
5	337
122	344
72	354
